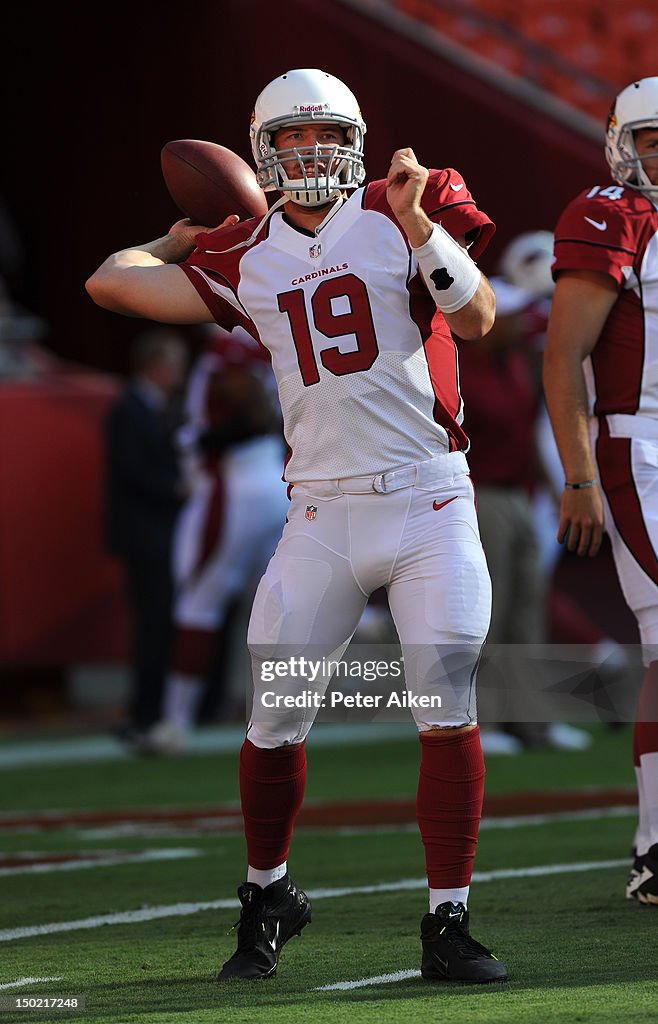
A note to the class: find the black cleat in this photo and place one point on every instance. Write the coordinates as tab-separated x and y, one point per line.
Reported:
634	877
269	917
449	952
646	889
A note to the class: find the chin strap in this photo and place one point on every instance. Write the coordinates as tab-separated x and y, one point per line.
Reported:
336	199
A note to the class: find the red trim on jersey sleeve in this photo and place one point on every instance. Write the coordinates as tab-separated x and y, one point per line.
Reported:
374	198
211	260
447	201
225	238
616	472
596	233
222	311
212	252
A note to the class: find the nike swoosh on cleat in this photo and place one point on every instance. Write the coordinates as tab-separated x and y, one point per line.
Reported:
436	505
442	963
599	225
456	188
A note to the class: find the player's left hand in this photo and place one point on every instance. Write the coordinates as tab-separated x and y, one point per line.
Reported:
405	182
581	521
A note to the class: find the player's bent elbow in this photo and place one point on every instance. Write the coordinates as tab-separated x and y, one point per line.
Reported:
101	290
95	290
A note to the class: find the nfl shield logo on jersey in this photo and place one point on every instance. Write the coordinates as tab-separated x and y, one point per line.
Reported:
311	512
315	251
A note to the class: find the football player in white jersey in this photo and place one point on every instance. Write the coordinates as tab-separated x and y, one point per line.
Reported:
354	289
601	383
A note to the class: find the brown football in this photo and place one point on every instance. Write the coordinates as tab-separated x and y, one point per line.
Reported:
208	182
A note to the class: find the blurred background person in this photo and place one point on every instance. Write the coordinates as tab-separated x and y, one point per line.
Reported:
526	263
233	454
145	490
502	400
21	334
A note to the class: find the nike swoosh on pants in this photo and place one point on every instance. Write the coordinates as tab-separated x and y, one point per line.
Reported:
436	505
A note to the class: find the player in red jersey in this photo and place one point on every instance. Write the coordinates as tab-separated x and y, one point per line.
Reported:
601	382
355	296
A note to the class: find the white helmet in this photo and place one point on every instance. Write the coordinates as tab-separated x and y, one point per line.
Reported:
635	107
303	97
526	263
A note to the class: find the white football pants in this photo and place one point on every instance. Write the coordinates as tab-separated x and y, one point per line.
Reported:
627	456
414	531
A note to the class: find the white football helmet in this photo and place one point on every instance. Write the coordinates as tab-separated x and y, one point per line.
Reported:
526	263
635	107
303	97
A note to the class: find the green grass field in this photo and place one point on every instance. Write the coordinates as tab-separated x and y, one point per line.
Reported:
576	950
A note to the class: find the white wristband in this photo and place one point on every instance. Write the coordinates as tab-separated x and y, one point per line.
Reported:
450	274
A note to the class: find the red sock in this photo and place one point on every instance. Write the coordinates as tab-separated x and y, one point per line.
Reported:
271	790
645	740
645	734
193	650
449	804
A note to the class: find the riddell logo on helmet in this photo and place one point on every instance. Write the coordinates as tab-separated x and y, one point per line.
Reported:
311	108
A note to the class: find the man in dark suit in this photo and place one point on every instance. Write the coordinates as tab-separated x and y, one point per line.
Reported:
144	494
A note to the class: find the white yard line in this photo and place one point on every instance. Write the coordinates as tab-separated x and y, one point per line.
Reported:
513	821
379	979
185	909
126	917
28	981
589	814
100	862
